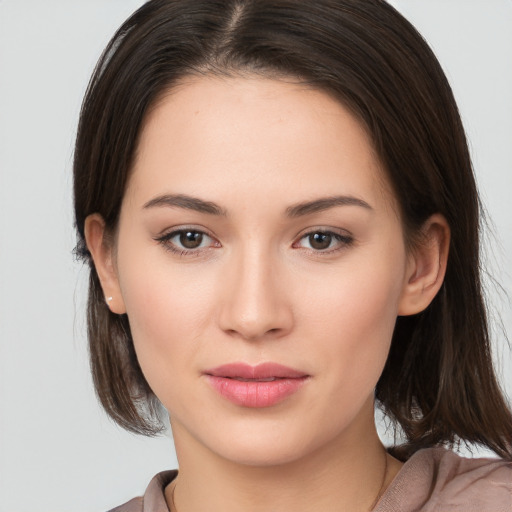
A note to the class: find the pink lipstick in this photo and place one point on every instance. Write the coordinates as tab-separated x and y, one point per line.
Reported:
263	385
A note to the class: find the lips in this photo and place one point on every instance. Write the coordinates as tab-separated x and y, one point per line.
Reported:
263	385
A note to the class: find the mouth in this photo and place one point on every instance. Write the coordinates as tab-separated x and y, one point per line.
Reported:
258	386
241	379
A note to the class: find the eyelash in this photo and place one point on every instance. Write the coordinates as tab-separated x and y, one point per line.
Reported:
165	241
343	241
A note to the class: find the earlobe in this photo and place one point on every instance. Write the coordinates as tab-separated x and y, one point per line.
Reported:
102	255
426	267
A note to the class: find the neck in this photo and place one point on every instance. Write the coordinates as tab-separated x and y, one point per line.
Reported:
340	476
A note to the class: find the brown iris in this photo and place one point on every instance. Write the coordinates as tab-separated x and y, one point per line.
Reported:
320	241
191	239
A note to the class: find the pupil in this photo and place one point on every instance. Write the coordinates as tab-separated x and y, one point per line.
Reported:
320	241
191	239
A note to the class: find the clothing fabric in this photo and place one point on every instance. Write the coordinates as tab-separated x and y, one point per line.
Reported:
432	480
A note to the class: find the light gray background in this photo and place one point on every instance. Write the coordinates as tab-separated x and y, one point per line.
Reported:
58	451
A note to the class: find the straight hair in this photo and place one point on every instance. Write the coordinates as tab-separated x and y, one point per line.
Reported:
438	385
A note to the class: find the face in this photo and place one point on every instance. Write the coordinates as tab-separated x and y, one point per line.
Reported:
260	259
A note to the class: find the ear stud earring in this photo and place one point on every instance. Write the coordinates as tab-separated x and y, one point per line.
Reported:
108	299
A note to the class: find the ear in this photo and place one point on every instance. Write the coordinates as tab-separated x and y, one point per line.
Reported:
426	266
101	250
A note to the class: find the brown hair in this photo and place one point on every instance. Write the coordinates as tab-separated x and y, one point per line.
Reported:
438	383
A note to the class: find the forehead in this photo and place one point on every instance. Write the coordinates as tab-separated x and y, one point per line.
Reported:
218	135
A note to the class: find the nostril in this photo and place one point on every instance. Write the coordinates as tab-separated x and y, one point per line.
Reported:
252	310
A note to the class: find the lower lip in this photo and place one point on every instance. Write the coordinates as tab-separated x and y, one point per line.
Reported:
256	394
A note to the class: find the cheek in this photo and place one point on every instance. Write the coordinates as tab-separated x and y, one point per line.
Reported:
355	314
167	311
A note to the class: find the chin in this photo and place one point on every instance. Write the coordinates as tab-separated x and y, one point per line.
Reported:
273	442
263	453
296	431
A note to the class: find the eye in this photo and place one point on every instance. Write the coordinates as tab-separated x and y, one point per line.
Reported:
324	241
189	239
185	241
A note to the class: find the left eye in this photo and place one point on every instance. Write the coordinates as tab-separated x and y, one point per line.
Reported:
323	240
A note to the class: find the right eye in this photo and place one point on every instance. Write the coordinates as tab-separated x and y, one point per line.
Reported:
187	241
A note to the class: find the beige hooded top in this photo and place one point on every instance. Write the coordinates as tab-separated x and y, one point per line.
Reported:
432	480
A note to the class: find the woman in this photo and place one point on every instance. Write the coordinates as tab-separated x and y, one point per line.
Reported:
278	206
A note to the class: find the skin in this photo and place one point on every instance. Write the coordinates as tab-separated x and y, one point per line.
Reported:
257	290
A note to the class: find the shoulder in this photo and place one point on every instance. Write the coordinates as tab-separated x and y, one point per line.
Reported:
134	505
475	484
437	479
154	497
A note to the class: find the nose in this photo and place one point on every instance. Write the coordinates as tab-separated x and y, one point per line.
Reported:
255	301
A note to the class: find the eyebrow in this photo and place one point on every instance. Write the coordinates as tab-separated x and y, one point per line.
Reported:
211	208
324	203
186	202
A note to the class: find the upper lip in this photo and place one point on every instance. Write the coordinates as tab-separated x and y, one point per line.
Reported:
260	371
